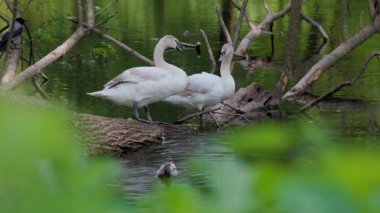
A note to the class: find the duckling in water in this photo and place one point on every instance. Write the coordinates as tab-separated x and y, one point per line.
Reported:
167	170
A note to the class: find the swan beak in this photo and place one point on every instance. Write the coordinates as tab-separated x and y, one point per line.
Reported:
196	46
221	58
179	48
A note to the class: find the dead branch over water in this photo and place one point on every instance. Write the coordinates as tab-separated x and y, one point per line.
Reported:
330	59
341	85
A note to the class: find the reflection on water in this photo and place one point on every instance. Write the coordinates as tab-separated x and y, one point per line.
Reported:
140	22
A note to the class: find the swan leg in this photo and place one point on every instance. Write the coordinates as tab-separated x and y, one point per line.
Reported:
201	121
136	114
136	111
147	113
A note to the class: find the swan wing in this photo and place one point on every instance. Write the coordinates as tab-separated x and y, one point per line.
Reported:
201	84
137	75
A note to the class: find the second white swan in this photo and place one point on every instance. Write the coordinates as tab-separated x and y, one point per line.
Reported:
205	89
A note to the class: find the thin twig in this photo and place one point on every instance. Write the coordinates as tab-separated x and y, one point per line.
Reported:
223	25
316	25
242	13
341	85
4	18
188	117
106	20
209	50
116	42
106	8
232	107
26	7
266	7
39	88
246	14
214	119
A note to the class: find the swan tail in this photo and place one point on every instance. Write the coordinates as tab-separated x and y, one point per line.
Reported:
99	94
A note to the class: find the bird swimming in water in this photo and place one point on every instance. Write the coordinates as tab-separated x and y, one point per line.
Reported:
19	25
167	170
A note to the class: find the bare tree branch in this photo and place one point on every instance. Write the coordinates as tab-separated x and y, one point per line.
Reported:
257	31
116	42
246	14
45	61
4	18
106	20
80	13
266	7
372	9
341	85
209	50
242	14
316	25
223	25
26	7
90	13
333	57
106	8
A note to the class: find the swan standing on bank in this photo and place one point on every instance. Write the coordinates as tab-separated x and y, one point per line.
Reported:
139	86
205	89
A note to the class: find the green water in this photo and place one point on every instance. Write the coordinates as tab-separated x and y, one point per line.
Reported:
140	23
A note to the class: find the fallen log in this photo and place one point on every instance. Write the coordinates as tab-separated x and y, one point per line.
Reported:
118	136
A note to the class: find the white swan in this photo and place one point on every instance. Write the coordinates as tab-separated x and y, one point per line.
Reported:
205	89
139	86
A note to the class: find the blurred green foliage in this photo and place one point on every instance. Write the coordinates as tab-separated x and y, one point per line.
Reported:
280	167
43	169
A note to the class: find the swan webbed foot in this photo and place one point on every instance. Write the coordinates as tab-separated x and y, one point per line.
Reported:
143	120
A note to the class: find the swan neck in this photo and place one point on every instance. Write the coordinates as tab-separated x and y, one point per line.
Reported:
225	69
158	55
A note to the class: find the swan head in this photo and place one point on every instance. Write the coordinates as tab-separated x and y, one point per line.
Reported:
170	41
167	170
227	50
